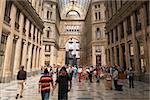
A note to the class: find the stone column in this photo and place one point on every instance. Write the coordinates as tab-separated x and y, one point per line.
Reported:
32	29
17	56
18	47
29	57
7	61
52	55
41	63
135	49
25	46
103	56
33	59
93	56
37	59
119	46
121	56
111	56
127	57
2	10
145	37
24	55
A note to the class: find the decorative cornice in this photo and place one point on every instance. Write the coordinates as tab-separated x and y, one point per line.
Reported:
27	9
127	9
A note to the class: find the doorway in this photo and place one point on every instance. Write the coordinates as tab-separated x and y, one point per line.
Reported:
72	52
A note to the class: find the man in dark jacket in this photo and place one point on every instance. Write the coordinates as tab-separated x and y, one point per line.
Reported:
21	77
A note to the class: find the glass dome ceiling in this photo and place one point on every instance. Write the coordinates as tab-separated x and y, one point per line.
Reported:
73	7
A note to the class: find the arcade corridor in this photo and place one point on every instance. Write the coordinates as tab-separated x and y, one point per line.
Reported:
80	91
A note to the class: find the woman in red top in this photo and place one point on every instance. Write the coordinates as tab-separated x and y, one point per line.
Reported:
45	84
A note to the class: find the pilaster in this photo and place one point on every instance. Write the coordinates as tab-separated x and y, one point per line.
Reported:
37	58
93	56
127	57
103	56
144	34
2	10
135	46
17	56
33	59
52	55
24	55
7	61
29	57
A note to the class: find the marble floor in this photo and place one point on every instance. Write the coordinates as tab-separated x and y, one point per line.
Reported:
80	91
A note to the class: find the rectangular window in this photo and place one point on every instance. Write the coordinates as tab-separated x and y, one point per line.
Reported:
111	9
121	2
17	19
34	33
24	24
30	30
3	44
122	30
2	49
7	11
47	14
115	5
37	35
129	26
99	13
47	48
96	16
138	20
147	12
98	33
112	36
48	34
108	37
51	15
116	31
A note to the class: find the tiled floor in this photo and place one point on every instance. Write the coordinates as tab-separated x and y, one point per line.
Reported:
80	91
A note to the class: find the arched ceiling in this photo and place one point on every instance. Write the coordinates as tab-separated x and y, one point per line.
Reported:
79	6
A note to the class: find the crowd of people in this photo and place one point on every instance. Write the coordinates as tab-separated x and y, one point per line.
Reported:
113	76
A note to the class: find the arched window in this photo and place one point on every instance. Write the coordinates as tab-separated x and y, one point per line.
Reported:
48	32
73	13
47	14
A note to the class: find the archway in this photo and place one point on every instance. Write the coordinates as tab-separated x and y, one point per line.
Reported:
72	52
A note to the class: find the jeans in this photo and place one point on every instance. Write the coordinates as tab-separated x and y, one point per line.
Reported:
45	95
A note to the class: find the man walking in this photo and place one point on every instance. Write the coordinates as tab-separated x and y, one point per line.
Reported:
21	77
45	85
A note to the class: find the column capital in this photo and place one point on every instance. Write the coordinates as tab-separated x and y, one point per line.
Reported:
16	37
